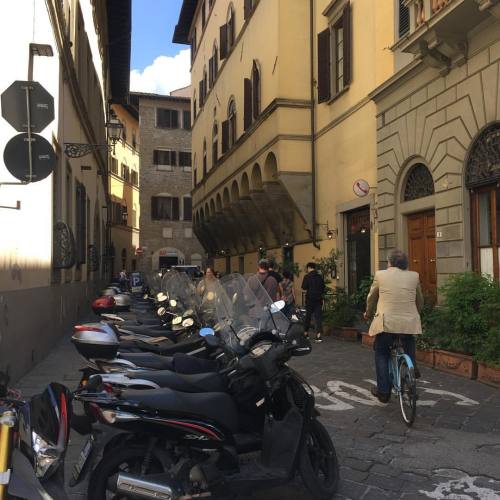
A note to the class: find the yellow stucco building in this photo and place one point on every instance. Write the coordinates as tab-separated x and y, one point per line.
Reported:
283	126
124	210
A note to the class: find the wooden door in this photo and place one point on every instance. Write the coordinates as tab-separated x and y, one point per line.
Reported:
422	250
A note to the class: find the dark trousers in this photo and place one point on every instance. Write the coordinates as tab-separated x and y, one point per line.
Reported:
382	347
313	310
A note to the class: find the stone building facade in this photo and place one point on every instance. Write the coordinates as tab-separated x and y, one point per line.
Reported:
166	234
438	135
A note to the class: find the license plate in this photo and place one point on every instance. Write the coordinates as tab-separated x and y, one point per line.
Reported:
82	460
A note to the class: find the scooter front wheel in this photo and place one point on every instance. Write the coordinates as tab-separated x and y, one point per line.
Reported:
319	466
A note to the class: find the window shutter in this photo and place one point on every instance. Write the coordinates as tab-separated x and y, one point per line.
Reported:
155	157
248	9
247	112
201	93
225	136
174	118
188	211
154	207
186	119
346	21
173	158
324	70
211	72
175	208
223	41
404	19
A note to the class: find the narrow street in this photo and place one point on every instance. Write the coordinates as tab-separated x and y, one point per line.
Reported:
453	450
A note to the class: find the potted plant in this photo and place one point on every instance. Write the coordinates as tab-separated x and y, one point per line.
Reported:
343	315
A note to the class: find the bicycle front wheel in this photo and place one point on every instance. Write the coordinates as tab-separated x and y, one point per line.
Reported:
408	393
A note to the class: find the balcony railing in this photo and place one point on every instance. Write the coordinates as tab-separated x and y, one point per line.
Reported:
438	29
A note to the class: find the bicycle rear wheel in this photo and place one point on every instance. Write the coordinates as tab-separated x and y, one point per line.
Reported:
408	393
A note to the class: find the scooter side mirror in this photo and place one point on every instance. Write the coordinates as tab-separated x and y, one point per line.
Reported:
173	303
177	320
161	311
188	322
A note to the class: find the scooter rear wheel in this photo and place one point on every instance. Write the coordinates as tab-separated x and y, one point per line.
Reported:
319	466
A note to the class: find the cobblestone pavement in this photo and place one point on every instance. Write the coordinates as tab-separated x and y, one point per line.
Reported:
451	452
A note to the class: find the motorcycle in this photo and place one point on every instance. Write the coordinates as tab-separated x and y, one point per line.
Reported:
33	441
260	433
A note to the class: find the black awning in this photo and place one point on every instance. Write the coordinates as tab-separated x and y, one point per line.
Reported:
181	32
119	14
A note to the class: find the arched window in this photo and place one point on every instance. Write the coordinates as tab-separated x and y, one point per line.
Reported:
231	27
215	144
213	66
231	115
204	158
482	177
255	90
419	183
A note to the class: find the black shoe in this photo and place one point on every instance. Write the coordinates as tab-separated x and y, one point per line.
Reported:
382	397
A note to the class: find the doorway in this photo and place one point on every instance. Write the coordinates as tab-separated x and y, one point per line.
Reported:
422	250
358	247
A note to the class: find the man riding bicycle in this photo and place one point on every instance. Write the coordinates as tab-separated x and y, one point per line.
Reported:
397	297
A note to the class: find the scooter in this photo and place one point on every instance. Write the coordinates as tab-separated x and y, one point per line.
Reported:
181	445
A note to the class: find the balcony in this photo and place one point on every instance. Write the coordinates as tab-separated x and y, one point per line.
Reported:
438	29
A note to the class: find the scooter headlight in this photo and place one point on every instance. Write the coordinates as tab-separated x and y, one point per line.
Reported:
46	455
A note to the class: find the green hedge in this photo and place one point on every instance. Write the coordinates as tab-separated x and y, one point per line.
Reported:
468	319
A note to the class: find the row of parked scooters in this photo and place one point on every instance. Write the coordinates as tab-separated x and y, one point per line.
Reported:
183	396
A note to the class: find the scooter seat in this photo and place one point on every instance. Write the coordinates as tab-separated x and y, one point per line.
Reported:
201	382
150	331
148	360
215	406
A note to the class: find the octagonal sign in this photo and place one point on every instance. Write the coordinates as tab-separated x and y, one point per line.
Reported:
14	108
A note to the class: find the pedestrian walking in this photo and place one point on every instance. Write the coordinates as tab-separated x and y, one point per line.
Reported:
123	280
314	286
262	277
396	299
288	293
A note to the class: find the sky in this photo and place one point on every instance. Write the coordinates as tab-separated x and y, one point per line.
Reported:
157	64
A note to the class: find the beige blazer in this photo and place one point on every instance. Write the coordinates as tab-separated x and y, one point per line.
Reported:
397	297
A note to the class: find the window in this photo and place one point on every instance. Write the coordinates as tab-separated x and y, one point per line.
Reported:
134	178
164	208
248	8
81	222
134	140
334	57
231	26
229	128
404	19
124	131
184	159
419	183
167	118
125	173
114	165
194	105
165	157
255	90
186	119
195	177
215	144
187	208
213	67
203	15
204	158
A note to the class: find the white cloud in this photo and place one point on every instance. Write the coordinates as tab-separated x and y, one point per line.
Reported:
164	75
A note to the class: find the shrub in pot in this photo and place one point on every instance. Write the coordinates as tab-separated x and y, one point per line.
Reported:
343	314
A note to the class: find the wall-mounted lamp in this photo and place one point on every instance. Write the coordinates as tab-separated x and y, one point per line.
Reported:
330	233
363	230
125	216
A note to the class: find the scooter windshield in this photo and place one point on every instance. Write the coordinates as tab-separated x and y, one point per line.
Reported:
246	310
154	280
177	286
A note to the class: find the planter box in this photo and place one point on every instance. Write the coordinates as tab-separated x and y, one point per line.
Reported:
366	340
458	364
327	330
425	357
347	333
488	375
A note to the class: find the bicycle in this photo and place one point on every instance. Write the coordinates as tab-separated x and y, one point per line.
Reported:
402	375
